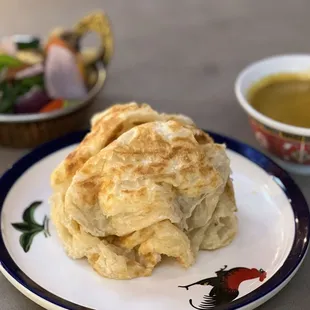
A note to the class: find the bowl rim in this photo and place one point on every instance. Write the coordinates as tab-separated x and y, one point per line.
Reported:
295	130
38	117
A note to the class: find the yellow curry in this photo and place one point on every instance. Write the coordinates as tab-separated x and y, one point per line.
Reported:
283	97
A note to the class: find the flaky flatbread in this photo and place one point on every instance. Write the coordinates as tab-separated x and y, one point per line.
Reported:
142	185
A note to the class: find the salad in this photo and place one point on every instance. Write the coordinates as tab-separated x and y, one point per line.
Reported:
41	77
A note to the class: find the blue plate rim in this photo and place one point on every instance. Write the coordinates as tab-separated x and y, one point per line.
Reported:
289	187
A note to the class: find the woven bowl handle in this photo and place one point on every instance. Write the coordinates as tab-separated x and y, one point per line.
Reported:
99	23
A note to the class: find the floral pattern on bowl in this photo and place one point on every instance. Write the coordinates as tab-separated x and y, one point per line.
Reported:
288	147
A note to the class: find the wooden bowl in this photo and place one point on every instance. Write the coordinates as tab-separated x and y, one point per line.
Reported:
30	130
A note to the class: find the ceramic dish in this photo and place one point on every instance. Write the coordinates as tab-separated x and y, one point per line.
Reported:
290	145
270	246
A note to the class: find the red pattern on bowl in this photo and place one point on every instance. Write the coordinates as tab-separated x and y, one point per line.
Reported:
288	147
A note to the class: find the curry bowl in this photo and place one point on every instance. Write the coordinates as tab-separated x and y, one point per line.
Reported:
288	145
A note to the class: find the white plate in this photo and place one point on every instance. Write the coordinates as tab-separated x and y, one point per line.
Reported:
269	248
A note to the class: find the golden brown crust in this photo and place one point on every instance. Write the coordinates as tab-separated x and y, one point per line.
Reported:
105	128
141	184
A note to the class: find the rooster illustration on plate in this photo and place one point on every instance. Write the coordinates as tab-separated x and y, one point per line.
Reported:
225	285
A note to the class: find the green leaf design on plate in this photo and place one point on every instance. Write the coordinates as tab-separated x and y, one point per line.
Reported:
25	240
25	227
28	215
29	227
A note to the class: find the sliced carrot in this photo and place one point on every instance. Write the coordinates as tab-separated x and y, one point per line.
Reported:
52	106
